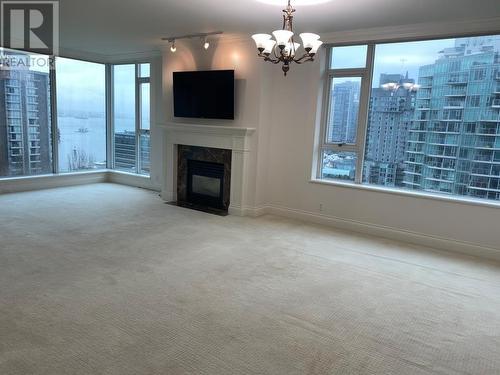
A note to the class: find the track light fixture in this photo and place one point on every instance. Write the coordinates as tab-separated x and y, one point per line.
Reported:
202	36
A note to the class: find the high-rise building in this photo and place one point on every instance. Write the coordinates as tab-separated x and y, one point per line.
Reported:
390	115
125	154
24	123
344	110
454	140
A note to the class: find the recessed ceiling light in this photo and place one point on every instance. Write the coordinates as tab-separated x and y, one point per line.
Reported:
294	2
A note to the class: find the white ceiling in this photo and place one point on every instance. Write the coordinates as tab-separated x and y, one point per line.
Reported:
127	26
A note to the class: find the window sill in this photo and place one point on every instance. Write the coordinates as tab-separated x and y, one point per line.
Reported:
118	172
415	194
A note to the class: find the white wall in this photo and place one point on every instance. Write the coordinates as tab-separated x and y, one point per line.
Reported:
285	113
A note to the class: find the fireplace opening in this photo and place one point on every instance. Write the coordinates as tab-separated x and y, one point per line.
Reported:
204	179
205	184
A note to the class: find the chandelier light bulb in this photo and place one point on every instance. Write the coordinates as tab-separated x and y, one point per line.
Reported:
269	46
173	48
309	39
282	37
261	40
206	44
315	46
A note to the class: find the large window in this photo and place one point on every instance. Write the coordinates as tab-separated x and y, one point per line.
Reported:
421	115
25	126
81	115
131	112
65	115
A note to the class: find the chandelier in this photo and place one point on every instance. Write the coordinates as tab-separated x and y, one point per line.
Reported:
284	49
395	86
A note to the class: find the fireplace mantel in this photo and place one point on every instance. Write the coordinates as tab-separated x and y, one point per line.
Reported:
238	140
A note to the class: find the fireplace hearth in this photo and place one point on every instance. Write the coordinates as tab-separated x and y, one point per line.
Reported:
203	178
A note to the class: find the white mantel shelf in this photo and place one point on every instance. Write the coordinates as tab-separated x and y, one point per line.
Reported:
209	129
236	139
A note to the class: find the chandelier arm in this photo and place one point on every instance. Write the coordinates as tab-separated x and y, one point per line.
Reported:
267	58
274	61
305	58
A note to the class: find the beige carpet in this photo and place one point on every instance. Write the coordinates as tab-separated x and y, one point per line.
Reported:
106	279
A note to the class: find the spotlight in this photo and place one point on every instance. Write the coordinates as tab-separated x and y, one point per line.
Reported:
206	44
173	48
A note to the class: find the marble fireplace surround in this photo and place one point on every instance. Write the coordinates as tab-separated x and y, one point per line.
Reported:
236	139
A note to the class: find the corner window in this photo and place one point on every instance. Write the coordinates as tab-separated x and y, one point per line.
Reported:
416	116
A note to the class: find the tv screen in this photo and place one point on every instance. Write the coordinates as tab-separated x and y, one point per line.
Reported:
208	94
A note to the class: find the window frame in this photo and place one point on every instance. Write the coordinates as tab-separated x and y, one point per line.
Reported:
357	147
138	113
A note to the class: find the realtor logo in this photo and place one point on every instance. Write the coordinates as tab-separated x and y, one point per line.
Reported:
31	26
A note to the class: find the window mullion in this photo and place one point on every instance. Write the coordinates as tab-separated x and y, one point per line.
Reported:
53	115
364	106
338	148
137	120
109	118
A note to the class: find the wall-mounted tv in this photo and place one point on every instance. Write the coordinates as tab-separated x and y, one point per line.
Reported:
205	94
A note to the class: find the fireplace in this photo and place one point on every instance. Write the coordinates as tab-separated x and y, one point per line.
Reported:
205	184
204	178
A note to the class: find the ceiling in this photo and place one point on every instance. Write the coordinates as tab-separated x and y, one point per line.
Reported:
112	27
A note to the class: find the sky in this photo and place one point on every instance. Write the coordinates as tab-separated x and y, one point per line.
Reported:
399	58
392	58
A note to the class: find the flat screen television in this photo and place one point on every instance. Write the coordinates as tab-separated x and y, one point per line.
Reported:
205	94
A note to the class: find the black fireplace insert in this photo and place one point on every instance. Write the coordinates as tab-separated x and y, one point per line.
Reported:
205	184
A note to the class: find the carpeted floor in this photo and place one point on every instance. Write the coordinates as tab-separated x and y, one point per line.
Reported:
107	279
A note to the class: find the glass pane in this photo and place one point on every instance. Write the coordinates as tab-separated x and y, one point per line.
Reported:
145	106
348	57
81	115
144	70
434	120
25	124
124	117
145	143
344	109
338	165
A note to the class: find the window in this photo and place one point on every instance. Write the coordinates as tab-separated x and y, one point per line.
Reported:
429	121
131	118
340	140
102	116
81	115
17	158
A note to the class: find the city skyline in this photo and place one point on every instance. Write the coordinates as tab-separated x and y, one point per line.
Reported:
442	135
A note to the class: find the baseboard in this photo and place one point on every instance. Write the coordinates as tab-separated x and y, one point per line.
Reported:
415	238
19	184
247	211
130	179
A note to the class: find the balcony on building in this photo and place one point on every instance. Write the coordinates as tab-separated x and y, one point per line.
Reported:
456	92
454	104
458	79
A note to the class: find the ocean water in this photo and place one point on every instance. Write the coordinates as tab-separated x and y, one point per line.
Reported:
82	141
